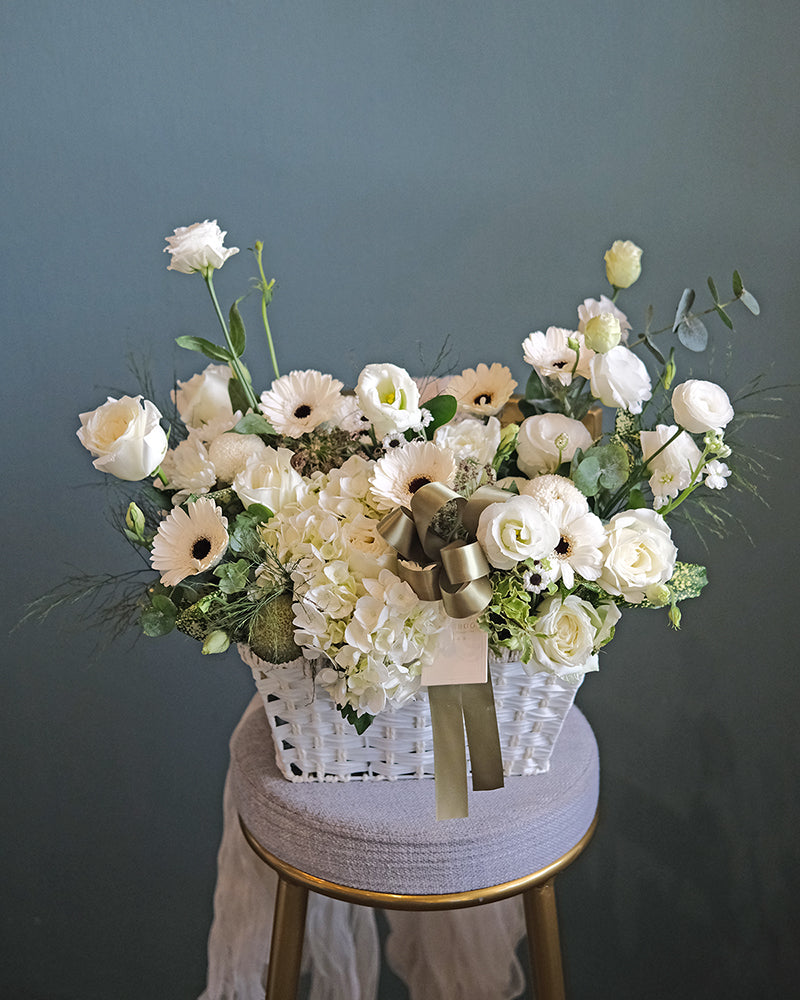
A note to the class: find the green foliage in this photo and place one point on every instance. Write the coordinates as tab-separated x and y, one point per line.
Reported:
203	346
255	423
360	723
602	467
443	409
158	618
688	580
233	576
238	338
243	537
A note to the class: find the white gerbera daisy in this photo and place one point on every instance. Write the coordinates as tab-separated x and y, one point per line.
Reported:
401	472
300	401
552	357
482	390
189	541
581	536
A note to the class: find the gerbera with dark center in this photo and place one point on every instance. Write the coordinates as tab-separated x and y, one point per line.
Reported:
299	402
189	541
482	390
403	471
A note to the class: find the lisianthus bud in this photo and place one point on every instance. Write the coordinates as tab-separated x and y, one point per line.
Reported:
216	642
134	519
602	332
657	595
623	263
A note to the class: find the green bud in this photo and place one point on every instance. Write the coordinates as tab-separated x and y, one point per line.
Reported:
657	595
669	373
216	642
134	519
675	616
573	344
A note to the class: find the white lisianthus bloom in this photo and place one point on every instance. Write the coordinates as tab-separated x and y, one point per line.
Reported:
516	529
716	475
188	467
230	453
594	307
198	248
548	439
189	541
270	480
671	469
204	398
300	401
482	390
701	406
552	357
638	554
619	378
471	438
388	398
566	636
602	333
623	263
402	471
125	437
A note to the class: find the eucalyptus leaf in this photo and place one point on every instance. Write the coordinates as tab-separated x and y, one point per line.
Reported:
238	338
713	289
692	333
233	576
586	476
750	302
254	423
738	287
651	347
724	316
203	346
684	306
159	618
534	388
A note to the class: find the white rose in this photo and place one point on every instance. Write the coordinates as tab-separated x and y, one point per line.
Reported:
198	248
638	553
701	406
126	436
619	378
515	530
204	398
623	263
471	438
566	635
270	480
389	399
548	439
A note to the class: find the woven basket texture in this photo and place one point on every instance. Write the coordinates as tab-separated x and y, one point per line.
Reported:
314	743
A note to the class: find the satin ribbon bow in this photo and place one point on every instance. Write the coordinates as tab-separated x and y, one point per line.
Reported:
455	573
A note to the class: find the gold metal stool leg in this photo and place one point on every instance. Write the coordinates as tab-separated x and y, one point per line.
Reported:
544	946
286	950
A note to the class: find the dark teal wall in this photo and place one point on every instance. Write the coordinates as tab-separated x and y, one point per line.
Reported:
417	171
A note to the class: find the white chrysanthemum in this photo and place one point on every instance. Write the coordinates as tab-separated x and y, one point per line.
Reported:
552	357
551	487
400	473
300	401
230	453
471	438
482	390
189	541
188	467
581	536
594	307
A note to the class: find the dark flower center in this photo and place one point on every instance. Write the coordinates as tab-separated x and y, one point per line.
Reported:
563	546
559	364
418	482
302	411
482	399
201	548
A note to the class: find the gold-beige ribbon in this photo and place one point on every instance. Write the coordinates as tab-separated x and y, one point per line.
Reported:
457	574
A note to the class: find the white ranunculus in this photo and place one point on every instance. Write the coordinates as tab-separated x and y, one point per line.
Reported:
389	399
471	438
516	529
638	553
701	406
204	398
548	439
125	436
566	635
623	263
198	248
270	480
620	379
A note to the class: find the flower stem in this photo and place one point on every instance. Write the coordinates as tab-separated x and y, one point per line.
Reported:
266	296
666	444
235	364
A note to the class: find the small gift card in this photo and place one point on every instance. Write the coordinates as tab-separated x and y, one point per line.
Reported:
462	655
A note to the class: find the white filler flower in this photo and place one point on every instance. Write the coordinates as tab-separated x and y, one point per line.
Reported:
125	436
189	541
198	248
300	401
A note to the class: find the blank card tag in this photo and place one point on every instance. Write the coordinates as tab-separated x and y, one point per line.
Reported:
462	655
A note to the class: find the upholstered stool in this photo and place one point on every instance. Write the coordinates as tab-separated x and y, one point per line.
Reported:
378	843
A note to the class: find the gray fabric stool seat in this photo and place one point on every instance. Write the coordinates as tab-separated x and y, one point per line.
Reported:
379	843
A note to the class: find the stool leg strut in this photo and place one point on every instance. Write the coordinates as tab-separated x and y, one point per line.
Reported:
541	921
286	949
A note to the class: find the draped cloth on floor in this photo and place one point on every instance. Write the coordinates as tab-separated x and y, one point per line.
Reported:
439	955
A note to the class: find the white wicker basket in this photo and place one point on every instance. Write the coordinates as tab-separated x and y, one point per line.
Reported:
314	743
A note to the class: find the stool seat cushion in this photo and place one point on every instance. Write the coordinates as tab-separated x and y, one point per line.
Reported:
383	836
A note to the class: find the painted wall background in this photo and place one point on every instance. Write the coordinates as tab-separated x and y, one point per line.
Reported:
417	171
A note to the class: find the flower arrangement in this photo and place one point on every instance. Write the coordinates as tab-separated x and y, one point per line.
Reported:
354	527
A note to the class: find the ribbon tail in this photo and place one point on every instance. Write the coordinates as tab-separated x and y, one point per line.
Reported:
449	751
480	719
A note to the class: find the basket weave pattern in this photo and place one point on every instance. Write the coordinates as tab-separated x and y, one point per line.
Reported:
314	743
